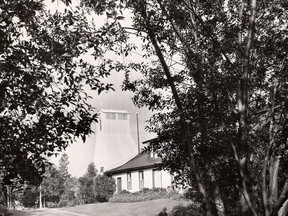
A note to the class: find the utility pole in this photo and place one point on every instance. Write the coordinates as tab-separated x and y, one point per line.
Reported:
40	198
138	142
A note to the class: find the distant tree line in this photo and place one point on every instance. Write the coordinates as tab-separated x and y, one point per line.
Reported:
60	189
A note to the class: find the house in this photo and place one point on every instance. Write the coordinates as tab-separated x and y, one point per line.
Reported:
142	171
114	142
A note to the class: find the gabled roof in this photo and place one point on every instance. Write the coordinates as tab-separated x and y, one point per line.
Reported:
140	161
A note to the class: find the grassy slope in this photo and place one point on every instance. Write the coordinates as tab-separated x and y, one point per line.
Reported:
146	208
19	213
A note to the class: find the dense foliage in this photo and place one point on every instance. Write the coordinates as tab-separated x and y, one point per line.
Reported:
144	194
59	189
42	80
51	187
103	188
86	185
181	210
29	197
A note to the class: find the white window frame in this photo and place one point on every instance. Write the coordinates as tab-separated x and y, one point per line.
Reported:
129	181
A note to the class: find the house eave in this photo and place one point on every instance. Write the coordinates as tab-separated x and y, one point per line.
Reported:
112	172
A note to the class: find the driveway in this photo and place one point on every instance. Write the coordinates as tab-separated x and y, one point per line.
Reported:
52	212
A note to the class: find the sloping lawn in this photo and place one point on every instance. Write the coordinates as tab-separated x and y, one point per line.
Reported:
145	208
19	213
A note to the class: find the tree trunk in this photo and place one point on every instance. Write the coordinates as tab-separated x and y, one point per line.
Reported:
8	196
193	167
273	172
284	209
247	208
281	200
219	204
40	198
209	210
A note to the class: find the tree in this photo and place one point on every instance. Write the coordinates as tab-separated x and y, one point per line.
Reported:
51	186
103	188
29	198
63	167
222	121
91	171
43	105
86	184
70	195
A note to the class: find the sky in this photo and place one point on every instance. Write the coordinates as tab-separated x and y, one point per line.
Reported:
81	154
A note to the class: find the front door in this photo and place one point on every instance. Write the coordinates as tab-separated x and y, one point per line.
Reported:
119	184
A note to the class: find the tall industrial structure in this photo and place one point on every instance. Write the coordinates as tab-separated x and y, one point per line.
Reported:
114	143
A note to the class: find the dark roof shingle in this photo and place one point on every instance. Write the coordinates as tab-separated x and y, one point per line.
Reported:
140	161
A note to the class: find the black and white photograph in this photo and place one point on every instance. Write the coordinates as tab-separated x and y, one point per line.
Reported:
143	108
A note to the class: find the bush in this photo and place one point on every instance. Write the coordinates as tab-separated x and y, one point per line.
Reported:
4	211
71	203
29	197
174	194
124	192
191	209
62	203
51	205
67	203
104	188
159	190
142	195
192	194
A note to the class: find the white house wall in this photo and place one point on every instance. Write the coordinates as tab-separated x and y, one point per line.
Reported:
166	179
162	179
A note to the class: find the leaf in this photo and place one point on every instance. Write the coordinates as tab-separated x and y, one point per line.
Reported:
120	18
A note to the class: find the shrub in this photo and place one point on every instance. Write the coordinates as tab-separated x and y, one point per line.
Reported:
71	203
191	209
29	197
124	192
103	187
142	195
159	190
62	203
144	190
4	211
51	205
174	194
192	194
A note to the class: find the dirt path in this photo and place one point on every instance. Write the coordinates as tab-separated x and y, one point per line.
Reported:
53	212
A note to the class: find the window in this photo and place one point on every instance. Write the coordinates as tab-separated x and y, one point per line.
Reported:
129	181
110	116
122	116
141	179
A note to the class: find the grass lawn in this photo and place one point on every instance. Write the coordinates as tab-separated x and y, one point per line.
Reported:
19	213
145	208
